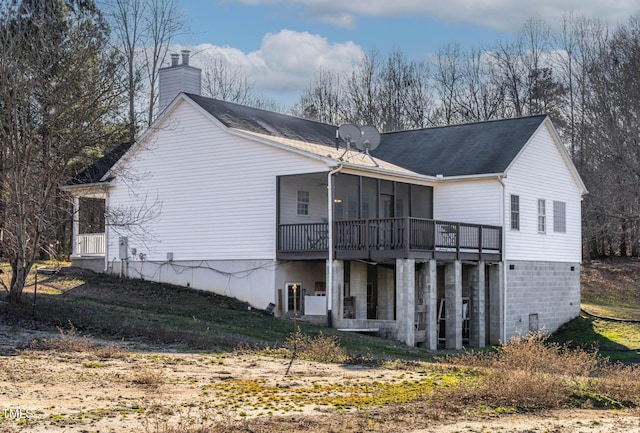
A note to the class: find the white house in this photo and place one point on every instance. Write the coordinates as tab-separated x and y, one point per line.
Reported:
465	234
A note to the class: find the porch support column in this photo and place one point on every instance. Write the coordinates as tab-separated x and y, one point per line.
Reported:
428	286
496	302
337	291
406	306
75	227
476	299
358	288
453	305
386	294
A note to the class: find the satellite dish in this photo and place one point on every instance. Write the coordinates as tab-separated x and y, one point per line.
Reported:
350	134
364	139
370	138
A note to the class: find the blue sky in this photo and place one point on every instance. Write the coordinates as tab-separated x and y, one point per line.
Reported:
281	44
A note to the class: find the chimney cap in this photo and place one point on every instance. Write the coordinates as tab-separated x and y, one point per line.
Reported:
185	56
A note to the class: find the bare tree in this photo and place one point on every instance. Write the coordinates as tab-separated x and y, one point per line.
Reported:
324	99
508	58
57	95
535	37
482	94
162	22
363	90
127	24
404	93
580	41
447	77
143	32
614	164
227	82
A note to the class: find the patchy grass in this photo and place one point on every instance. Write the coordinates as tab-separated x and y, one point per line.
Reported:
609	289
613	285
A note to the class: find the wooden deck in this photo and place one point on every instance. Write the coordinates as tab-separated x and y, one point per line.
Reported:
391	238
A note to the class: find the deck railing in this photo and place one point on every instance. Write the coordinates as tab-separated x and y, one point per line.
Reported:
90	244
407	234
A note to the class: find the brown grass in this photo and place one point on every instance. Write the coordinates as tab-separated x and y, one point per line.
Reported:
531	373
70	340
147	376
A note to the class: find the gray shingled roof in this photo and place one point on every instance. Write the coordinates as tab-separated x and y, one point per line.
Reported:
456	150
267	122
94	172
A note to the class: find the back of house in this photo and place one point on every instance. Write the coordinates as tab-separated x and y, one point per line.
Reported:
441	237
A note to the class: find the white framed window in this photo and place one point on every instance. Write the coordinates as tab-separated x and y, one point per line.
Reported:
559	216
542	216
303	203
515	212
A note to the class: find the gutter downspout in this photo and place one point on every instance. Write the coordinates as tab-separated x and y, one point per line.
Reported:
504	260
330	242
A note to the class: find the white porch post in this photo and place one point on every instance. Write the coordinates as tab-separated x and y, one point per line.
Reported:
75	226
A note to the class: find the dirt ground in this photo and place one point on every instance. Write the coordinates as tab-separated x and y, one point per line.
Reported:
127	390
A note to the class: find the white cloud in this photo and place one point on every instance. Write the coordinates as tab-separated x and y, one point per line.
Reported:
506	15
286	61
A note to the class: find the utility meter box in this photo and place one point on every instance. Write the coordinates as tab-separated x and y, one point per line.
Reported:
123	248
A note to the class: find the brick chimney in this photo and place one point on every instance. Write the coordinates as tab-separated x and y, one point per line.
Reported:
177	78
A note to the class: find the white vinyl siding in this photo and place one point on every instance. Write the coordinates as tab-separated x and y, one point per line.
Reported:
178	79
214	192
540	171
476	202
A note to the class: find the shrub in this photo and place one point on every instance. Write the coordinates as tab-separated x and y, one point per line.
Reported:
322	348
147	376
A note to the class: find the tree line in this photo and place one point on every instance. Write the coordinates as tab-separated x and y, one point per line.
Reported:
78	78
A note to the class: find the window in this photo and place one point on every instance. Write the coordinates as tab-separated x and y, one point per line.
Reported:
559	216
542	216
303	203
515	212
